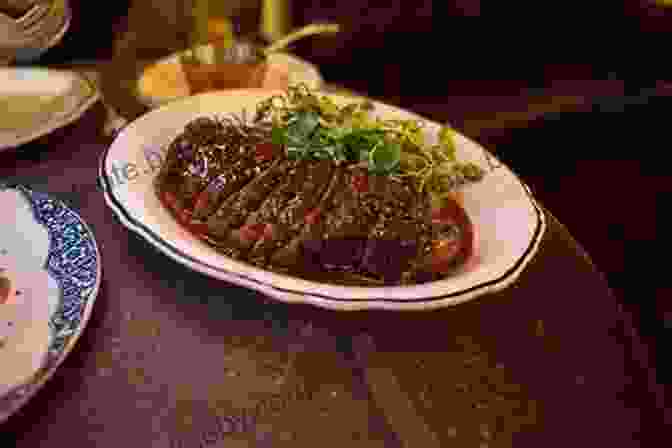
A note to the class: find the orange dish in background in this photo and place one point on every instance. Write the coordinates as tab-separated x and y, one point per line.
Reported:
206	77
224	64
173	79
239	72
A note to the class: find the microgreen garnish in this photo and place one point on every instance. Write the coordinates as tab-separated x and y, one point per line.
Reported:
313	127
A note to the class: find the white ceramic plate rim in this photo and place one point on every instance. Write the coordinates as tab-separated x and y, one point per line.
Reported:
72	341
85	89
291	289
153	101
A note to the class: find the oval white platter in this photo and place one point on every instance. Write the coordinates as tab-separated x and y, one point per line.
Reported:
56	268
35	102
509	224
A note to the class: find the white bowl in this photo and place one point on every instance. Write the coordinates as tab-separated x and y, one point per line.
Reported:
509	225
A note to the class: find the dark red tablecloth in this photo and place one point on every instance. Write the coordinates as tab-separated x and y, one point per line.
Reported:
172	358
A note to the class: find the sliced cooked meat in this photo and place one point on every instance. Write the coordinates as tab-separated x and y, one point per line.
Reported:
233	212
389	253
319	178
347	229
422	214
313	219
354	211
341	244
392	243
202	160
292	217
292	255
224	185
259	224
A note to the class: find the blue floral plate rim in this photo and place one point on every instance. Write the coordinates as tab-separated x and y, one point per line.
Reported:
79	282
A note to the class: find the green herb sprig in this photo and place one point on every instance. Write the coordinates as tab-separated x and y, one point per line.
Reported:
313	127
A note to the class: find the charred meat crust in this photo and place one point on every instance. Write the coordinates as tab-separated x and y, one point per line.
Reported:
311	219
393	241
288	221
204	157
232	212
258	223
292	254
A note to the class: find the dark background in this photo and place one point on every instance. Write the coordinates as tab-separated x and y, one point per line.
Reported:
597	165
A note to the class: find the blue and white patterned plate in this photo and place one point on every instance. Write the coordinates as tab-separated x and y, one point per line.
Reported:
42	238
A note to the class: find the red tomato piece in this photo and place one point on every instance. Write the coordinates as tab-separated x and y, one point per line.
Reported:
268	231
360	183
201	199
451	213
473	258
183	216
253	232
265	151
312	217
170	200
197	227
445	252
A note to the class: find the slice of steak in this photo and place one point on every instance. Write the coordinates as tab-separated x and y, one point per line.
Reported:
356	211
227	184
341	244
319	179
388	255
291	255
337	238
336	241
198	158
393	241
291	218
183	149
259	224
423	217
232	213
181	189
